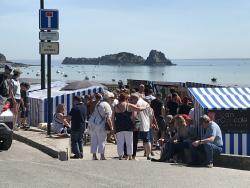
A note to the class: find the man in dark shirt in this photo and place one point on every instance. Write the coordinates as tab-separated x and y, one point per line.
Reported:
172	104
159	111
5	81
185	107
77	115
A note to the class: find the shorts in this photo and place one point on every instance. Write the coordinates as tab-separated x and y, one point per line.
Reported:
145	136
18	101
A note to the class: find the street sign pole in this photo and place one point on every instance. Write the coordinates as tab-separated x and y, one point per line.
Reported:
42	56
49	92
49	20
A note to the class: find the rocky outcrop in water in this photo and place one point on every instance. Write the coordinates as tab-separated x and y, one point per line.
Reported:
113	59
157	58
123	58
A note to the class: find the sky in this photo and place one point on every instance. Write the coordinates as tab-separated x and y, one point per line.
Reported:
182	29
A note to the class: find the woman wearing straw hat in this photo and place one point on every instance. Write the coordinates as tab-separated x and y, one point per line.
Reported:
15	94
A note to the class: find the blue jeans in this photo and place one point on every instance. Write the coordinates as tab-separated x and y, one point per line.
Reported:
151	136
77	142
205	153
211	150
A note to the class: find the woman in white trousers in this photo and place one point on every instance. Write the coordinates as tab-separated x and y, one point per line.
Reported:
124	125
97	126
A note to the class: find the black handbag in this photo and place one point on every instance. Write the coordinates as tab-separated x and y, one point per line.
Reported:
107	127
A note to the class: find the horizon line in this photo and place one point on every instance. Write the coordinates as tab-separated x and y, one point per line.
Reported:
221	58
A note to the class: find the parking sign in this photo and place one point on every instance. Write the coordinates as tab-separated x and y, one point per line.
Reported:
48	19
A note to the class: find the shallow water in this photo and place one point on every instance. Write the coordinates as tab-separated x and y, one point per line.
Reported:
227	71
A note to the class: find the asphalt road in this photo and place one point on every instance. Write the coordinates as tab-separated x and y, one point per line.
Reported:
23	166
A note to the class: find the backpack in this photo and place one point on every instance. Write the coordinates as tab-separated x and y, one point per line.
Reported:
4	87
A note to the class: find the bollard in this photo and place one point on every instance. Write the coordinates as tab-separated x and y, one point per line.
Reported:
63	155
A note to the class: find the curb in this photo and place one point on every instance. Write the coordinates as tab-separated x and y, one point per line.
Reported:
233	161
61	155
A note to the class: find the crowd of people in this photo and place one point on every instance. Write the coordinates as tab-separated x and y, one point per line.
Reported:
125	116
138	114
15	96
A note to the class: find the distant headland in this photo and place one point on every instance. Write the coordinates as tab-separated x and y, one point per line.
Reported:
4	61
155	58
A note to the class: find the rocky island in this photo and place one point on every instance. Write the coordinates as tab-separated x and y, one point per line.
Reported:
123	58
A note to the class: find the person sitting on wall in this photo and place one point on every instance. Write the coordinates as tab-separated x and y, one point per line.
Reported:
168	137
60	124
211	144
181	140
177	141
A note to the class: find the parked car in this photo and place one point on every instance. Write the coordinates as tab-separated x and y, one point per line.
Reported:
6	125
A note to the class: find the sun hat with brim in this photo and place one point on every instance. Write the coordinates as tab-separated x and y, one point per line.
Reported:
17	72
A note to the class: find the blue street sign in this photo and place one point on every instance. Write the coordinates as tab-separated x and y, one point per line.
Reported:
48	19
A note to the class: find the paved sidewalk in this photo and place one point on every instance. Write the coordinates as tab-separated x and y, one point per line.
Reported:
59	147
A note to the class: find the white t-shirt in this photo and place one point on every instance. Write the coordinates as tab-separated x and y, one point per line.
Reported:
16	88
149	98
144	116
115	102
191	114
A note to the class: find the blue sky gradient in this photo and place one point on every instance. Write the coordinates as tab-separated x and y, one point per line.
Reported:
179	28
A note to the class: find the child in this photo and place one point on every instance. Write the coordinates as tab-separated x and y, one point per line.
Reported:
24	105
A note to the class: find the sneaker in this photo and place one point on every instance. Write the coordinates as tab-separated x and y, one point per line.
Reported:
154	160
94	158
209	165
172	161
157	147
192	164
134	158
75	157
149	158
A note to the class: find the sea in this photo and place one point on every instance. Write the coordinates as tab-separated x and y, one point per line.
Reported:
227	72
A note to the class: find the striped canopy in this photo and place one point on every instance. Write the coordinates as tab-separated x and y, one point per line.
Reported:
222	98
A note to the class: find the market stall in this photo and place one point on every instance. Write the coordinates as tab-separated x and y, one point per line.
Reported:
38	100
230	108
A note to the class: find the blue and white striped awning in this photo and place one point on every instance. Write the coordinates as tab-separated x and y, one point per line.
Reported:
222	98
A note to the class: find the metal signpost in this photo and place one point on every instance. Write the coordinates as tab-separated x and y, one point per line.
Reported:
49	20
42	56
